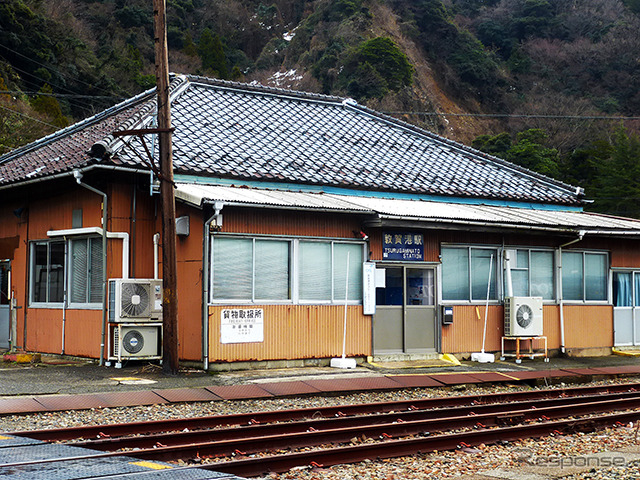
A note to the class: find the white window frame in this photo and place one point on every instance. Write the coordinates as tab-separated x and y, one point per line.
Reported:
294	284
498	273
32	274
67	267
529	250
68	264
608	278
557	275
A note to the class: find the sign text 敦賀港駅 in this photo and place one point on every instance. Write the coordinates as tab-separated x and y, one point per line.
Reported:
402	246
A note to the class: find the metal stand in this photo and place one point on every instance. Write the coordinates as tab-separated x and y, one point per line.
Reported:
531	352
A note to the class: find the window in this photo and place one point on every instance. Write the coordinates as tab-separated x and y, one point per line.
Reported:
285	270
465	273
322	275
84	262
85	273
251	269
584	276
47	272
532	274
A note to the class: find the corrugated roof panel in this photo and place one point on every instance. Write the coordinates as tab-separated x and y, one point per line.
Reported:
198	194
418	210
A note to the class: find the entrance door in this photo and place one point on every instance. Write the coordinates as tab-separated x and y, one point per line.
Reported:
626	308
5	314
405	319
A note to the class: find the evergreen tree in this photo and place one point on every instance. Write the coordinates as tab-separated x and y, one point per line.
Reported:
212	55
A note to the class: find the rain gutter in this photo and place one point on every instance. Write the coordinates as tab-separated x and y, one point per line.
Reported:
71	174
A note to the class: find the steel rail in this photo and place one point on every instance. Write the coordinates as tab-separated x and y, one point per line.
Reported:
113	430
384	449
278	439
399	448
503	411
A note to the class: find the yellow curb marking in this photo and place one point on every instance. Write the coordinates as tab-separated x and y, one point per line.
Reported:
152	465
626	353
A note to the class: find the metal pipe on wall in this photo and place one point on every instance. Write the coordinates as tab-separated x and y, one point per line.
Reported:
156	241
78	176
65	293
581	234
134	219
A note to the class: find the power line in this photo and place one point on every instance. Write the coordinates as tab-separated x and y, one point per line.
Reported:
509	115
29	117
85	106
62	95
56	70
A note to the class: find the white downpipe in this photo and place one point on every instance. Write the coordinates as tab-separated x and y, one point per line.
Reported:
486	306
561	300
581	234
156	242
507	272
65	293
124	236
346	299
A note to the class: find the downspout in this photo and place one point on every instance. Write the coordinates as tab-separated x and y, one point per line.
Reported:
581	234
217	218
65	294
156	241
78	176
134	219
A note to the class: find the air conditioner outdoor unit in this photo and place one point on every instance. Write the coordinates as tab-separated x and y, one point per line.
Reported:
523	316
139	341
135	299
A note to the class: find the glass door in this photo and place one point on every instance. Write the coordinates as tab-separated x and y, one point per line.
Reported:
405	319
626	308
420	311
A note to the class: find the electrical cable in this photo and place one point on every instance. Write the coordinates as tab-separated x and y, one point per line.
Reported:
58	71
29	117
83	105
509	115
60	95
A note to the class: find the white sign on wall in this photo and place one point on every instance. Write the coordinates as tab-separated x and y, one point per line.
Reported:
241	325
369	288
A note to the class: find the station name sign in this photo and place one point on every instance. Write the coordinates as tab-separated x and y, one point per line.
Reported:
406	246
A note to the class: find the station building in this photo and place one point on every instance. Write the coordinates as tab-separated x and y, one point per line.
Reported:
299	212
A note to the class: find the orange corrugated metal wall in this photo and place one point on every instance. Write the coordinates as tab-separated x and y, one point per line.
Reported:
296	332
585	327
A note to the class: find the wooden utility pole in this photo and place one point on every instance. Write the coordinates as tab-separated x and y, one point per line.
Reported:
169	265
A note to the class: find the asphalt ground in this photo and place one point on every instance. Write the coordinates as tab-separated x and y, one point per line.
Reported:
54	375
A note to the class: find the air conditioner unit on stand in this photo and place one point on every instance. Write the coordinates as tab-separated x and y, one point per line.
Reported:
523	316
135	300
135	342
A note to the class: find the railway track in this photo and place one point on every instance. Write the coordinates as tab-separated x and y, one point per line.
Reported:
386	429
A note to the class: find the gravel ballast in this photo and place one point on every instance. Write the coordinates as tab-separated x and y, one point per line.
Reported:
613	453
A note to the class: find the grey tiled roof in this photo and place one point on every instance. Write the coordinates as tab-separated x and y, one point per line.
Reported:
247	132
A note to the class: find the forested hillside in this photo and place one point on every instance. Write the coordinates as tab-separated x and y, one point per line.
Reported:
549	84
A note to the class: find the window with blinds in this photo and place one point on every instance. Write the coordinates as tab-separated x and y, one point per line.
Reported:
85	271
251	269
264	270
81	269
